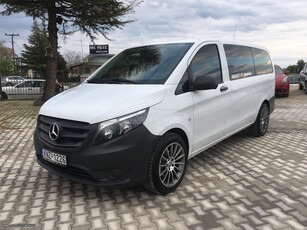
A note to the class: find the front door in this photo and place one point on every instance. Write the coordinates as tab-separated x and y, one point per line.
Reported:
210	106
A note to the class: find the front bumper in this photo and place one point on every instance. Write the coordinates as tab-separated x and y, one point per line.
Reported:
121	162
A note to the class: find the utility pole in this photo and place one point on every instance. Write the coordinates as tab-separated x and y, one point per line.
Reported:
234	34
13	52
81	50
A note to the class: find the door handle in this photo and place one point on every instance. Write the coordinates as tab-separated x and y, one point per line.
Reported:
224	88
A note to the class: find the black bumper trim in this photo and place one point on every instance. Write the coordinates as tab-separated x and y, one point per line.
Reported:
121	162
272	104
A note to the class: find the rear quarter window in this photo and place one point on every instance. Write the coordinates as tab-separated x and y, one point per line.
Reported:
240	61
263	63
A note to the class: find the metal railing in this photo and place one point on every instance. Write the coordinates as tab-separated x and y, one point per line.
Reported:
31	88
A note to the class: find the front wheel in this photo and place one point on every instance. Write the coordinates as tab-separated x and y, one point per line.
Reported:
260	126
167	164
3	96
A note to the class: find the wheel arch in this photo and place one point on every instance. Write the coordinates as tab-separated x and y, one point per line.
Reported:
267	103
182	134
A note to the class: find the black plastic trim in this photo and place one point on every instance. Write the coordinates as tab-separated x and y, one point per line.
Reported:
121	162
272	104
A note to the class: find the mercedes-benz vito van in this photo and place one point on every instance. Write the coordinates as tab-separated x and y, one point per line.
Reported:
142	115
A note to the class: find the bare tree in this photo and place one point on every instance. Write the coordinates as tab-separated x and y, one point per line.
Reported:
72	57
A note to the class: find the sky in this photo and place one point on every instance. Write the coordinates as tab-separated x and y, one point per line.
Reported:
279	25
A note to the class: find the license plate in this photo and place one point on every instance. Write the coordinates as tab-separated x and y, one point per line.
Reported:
54	157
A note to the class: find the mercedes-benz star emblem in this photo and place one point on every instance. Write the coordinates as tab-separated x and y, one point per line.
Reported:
54	131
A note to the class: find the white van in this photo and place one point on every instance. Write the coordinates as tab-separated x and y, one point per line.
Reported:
143	114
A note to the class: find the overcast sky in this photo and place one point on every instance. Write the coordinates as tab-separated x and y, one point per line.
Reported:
279	25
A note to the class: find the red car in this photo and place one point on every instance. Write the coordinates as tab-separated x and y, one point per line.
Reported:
282	83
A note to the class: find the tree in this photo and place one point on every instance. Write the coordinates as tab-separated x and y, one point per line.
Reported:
90	17
292	69
6	63
72	57
34	56
300	64
296	68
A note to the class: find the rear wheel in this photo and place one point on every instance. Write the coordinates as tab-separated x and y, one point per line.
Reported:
260	126
167	164
300	87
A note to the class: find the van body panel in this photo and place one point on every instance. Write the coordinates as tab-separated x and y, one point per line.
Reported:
100	101
246	96
210	109
173	112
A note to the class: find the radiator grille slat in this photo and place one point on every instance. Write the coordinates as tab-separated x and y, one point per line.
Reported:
72	133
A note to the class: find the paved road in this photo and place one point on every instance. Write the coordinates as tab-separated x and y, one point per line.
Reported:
241	183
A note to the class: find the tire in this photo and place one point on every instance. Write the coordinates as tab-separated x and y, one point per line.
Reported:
167	165
300	87
306	88
286	95
3	96
260	126
9	84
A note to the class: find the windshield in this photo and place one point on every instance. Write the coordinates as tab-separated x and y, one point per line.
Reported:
142	65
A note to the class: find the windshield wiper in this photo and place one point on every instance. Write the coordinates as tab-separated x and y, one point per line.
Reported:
123	81
93	81
110	81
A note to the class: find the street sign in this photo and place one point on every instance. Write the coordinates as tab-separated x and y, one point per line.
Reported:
99	49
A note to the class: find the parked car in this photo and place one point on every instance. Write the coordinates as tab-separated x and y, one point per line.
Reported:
12	80
293	79
140	117
303	79
28	89
282	83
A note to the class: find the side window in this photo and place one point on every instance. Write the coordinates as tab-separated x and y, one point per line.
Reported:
263	63
25	84
38	84
240	61
207	63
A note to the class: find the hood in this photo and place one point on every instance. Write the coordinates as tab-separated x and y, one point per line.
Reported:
95	103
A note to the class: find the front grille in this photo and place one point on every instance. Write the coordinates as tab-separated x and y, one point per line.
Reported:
72	133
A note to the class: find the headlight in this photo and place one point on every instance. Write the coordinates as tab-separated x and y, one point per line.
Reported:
116	127
284	81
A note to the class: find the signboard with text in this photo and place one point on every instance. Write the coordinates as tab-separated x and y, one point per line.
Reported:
99	49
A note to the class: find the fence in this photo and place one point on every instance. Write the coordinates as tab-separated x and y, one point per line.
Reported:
25	88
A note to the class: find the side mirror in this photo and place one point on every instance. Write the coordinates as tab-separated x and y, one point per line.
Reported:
204	83
286	72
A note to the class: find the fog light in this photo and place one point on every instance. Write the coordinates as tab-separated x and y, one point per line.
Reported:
115	174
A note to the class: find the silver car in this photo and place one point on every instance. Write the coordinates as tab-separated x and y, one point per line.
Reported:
28	89
12	80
